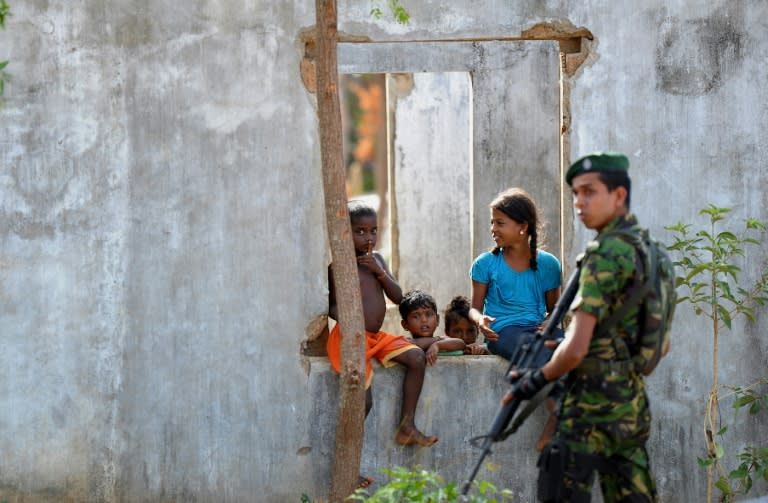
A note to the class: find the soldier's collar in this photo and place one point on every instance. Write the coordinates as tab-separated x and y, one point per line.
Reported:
623	221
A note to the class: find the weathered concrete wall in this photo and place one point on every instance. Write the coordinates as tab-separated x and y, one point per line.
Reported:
162	251
459	402
162	245
433	155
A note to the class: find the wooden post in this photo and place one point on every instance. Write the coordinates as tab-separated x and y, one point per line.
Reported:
349	425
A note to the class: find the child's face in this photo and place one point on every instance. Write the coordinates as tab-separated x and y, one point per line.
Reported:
364	234
421	322
505	231
464	330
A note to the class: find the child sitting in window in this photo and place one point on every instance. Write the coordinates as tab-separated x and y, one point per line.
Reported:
459	326
376	282
419	317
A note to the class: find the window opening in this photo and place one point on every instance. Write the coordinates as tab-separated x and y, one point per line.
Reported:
513	140
364	124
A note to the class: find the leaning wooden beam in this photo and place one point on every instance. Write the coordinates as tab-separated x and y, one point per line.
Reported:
349	425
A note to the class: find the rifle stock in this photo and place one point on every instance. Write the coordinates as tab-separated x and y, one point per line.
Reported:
521	359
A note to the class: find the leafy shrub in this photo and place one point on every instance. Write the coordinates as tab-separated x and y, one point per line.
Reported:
417	485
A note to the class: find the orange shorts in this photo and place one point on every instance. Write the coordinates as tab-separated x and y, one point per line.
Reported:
381	345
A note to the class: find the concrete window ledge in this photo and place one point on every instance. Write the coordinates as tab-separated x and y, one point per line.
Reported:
459	401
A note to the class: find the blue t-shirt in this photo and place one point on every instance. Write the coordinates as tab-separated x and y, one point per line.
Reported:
516	298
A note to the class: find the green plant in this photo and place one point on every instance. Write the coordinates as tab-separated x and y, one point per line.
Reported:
5	11
423	486
710	279
398	11
753	461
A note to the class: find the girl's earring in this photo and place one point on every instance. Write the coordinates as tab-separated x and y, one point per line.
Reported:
522	232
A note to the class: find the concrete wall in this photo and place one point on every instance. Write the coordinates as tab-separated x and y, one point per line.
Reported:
459	402
162	244
162	251
432	154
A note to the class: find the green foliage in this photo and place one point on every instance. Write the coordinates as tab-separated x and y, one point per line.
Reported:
5	11
422	486
395	7
711	285
709	274
753	461
4	77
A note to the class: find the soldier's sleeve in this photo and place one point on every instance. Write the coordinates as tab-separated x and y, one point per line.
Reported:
604	274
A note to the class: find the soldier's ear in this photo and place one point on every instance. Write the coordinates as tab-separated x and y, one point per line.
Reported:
621	196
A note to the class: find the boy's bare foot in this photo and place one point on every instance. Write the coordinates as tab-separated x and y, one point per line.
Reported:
546	435
414	437
363	482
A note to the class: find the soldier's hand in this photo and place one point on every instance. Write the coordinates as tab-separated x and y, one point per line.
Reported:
527	382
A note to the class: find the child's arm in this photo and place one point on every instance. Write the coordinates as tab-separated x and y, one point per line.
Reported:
483	321
550	298
374	262
423	342
388	282
441	344
450	344
429	346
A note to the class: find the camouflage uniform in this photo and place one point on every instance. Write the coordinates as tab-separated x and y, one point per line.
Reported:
605	415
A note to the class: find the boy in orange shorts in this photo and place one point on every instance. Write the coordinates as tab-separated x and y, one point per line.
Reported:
375	282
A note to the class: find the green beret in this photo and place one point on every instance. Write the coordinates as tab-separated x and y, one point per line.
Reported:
598	162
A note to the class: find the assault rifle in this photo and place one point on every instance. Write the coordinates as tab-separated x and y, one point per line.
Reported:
523	358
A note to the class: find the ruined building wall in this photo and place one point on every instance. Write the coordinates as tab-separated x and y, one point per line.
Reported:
163	252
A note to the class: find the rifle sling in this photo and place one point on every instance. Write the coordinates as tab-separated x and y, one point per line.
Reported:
624	365
596	366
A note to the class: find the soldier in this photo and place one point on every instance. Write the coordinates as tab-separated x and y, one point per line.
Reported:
604	419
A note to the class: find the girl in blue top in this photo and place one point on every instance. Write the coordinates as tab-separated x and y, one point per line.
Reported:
515	286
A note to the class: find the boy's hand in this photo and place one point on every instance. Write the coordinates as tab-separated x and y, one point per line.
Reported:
475	349
369	260
372	264
431	354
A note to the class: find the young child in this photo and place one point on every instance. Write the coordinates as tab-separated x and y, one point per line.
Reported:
459	326
419	317
375	282
515	286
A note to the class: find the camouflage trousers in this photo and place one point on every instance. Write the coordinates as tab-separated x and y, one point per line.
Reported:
605	422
